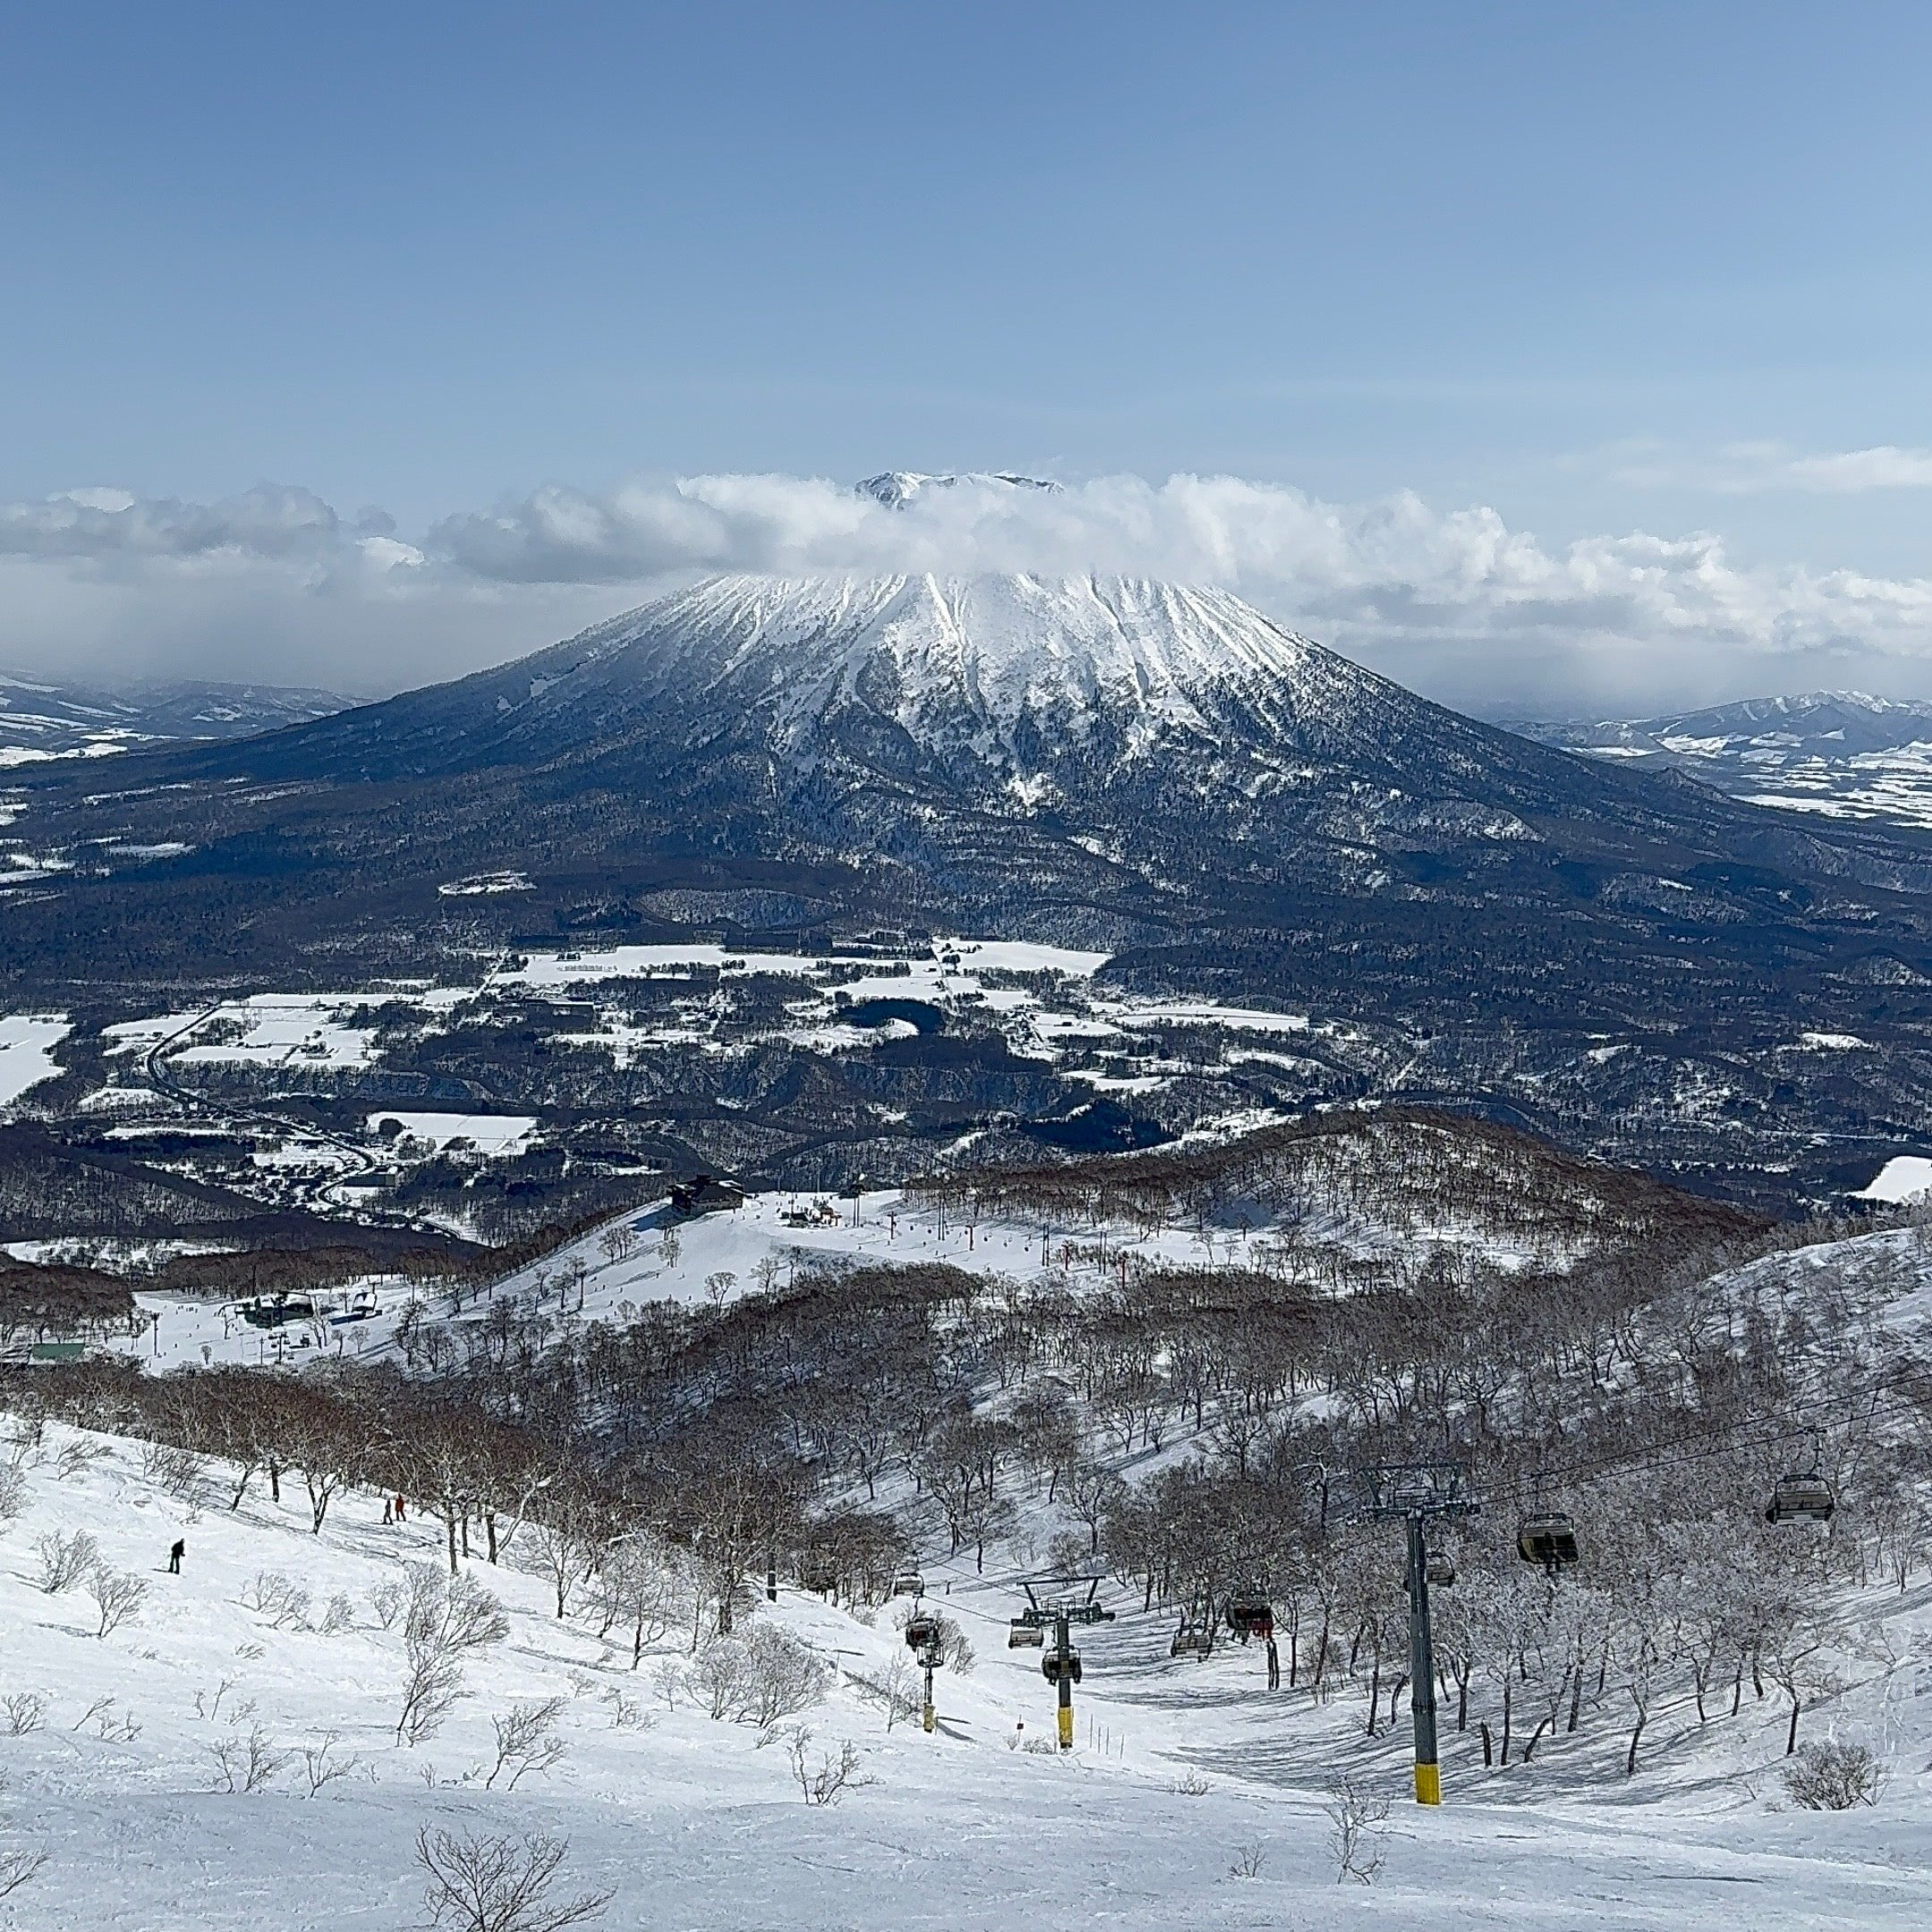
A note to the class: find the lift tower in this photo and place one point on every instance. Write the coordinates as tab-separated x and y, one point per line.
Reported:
1415	1492
1060	1666
1063	1659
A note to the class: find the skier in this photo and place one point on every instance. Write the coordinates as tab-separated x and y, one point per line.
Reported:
401	1516
176	1555
389	1509
1275	1666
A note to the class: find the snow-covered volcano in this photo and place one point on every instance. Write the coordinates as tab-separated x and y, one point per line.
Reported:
1009	667
1159	772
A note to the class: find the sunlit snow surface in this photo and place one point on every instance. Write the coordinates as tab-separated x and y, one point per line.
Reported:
1904	1177
27	1044
1180	1769
488	1133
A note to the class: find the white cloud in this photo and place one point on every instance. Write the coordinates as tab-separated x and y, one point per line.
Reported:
275	583
1885	467
1746	469
267	521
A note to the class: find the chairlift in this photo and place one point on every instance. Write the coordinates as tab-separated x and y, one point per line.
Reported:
908	1583
1195	1636
1547	1538
922	1631
1250	1614
1089	1610
1801	1498
1439	1570
1023	1635
1050	1667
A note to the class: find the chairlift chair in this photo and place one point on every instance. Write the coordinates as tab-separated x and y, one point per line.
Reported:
1250	1615
1022	1635
1439	1570
922	1631
1050	1667
1801	1498
1547	1538
908	1583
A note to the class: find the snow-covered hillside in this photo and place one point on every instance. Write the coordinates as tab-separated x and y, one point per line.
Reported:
40	719
1193	1798
987	664
1839	753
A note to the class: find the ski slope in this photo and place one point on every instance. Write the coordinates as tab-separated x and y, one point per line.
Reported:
696	1824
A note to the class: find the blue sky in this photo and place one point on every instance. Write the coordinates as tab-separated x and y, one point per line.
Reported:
1593	271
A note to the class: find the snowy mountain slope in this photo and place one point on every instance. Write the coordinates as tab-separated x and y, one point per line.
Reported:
115	1771
1839	753
896	488
1813	721
981	681
39	719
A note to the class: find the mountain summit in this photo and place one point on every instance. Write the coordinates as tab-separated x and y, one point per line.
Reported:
1013	671
896	488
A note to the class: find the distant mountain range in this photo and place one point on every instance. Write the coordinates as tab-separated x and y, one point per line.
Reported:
39	719
1595	946
1837	752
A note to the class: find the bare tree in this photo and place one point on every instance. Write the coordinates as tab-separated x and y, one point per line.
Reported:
446	1618
480	1884
1797	1665
65	1560
429	1693
759	1677
526	1741
566	1545
1354	1814
246	1763
17	1866
322	1767
275	1594
117	1596
640	1584
1091	1491
1833	1777
834	1773
327	1436
21	1713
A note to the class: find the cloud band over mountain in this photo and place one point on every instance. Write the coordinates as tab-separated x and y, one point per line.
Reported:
277	583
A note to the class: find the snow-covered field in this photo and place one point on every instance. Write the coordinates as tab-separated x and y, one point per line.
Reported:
488	1133
1185	1774
27	1044
271	1030
1904	1177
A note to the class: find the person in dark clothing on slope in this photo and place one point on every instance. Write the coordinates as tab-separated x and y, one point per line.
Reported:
174	1557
